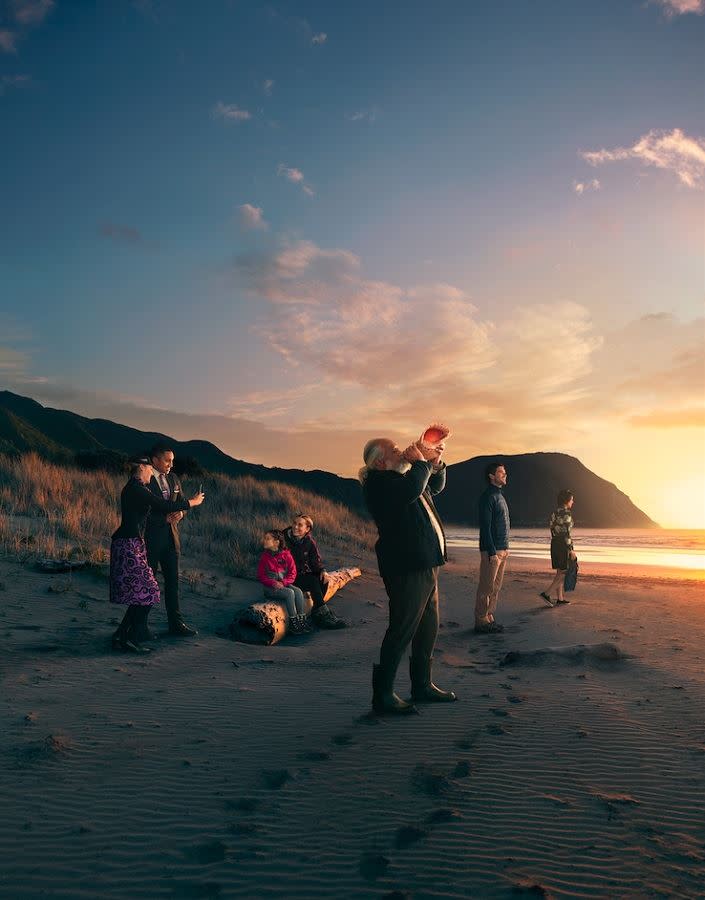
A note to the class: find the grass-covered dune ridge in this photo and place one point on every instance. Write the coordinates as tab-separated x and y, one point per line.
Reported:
57	511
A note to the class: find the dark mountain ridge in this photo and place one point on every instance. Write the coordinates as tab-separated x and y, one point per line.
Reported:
534	478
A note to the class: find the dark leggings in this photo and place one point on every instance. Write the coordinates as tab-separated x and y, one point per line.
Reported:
313	584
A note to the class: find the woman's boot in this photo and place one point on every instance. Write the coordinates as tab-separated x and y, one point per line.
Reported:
138	621
121	634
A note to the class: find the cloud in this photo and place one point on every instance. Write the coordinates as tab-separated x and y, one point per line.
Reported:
31	12
580	187
230	112
124	234
677	418
296	176
268	86
319	38
7	82
363	115
252	218
681	7
8	41
673	151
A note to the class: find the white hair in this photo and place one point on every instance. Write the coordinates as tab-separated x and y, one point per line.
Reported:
372	452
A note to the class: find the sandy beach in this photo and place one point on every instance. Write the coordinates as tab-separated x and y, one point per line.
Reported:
217	769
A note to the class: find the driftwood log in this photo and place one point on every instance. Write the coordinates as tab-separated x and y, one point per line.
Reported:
266	621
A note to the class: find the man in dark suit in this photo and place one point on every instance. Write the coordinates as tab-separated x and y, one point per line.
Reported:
162	537
398	489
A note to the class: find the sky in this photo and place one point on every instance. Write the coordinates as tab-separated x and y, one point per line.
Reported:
288	228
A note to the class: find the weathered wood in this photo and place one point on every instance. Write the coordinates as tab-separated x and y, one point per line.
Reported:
266	621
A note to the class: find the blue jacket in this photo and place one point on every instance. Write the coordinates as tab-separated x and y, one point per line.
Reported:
494	520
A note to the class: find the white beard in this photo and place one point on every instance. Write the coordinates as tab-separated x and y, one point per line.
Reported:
402	468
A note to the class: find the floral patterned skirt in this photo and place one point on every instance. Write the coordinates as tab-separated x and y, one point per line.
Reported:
131	579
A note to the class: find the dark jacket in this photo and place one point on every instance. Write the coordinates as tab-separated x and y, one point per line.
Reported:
305	552
494	520
136	502
159	533
407	541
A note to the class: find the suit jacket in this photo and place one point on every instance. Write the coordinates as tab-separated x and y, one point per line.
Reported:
407	541
160	534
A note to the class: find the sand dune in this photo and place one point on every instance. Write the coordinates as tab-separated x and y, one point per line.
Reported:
218	769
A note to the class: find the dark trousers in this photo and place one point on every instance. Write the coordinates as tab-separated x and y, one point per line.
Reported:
413	616
166	558
313	584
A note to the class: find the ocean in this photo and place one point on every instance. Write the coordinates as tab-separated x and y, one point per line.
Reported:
670	548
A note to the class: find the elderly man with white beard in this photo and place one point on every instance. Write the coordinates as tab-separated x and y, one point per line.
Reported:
398	488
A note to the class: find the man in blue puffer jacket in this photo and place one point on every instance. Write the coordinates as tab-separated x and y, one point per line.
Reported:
494	548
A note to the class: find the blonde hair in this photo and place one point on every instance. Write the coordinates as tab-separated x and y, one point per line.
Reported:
307	519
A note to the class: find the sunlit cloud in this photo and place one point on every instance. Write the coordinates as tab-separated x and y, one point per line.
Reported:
31	12
252	218
676	418
580	187
230	112
673	151
319	38
681	7
8	41
295	176
268	86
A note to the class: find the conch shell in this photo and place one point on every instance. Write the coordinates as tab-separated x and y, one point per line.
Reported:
434	436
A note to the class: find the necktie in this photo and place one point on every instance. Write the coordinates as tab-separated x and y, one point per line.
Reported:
164	485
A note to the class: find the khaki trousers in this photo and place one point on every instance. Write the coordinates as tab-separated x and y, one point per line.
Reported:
489	584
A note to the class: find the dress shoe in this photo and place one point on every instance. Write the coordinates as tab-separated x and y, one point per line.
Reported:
384	701
181	629
131	647
423	690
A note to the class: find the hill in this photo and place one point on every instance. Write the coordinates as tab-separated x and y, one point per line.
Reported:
57	435
534	478
533	481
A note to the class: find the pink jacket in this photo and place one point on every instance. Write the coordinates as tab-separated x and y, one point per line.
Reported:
271	564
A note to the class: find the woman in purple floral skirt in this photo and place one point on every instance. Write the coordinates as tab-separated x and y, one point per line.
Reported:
132	582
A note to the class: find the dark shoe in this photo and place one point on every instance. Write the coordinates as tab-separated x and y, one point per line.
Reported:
489	628
423	690
117	642
548	600
384	701
297	625
562	602
324	617
181	629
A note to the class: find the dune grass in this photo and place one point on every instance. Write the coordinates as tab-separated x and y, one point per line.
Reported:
60	512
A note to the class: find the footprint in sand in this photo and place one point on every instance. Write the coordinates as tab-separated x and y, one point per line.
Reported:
529	887
242	829
429	780
243	804
496	729
274	779
517	698
408	835
462	769
342	739
467	743
316	756
373	865
500	712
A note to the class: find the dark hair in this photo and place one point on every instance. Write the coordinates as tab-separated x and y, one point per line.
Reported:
134	462
278	536
564	496
160	448
491	468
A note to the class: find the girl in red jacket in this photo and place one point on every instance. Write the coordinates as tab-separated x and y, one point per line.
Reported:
276	571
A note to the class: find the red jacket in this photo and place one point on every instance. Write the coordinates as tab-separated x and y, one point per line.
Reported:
271	564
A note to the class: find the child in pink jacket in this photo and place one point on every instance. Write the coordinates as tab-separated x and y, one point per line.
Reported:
276	571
